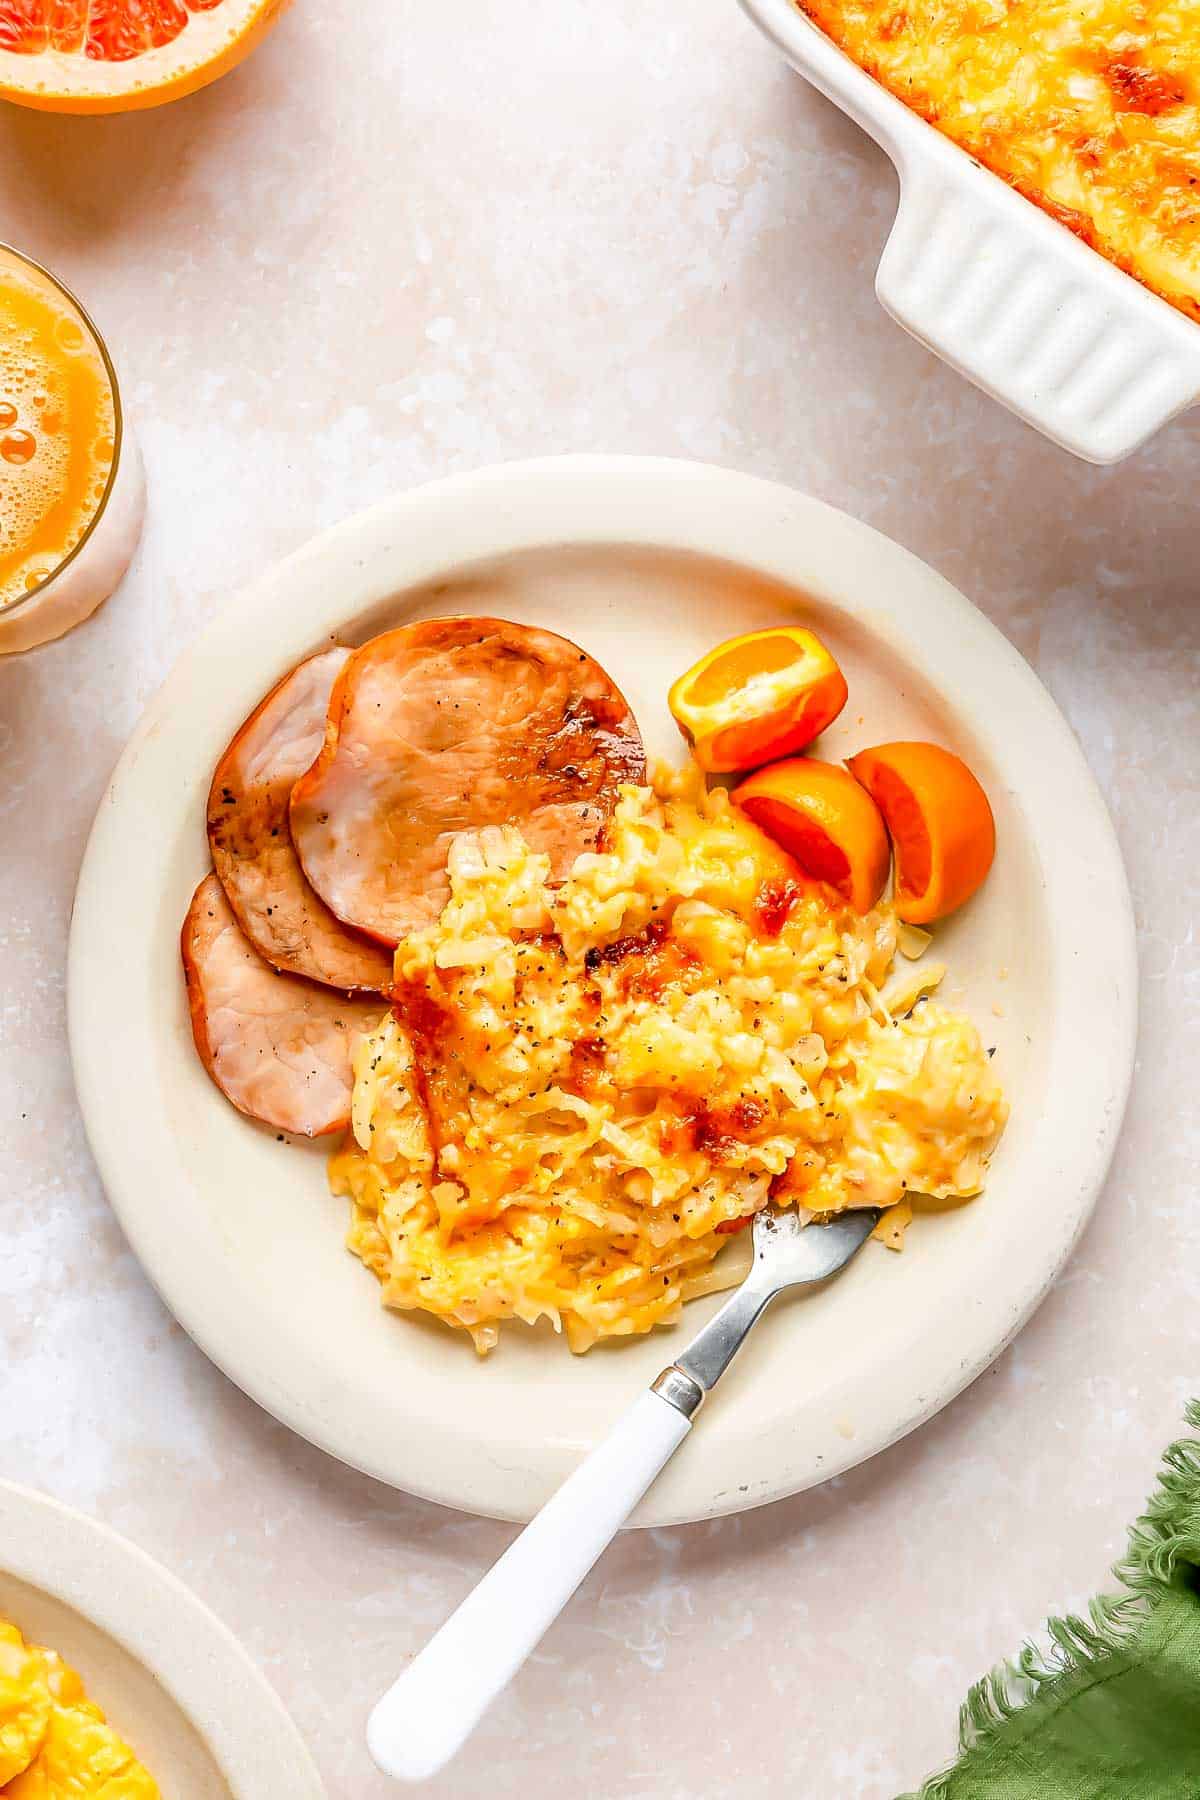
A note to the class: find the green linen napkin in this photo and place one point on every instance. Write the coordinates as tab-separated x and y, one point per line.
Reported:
1112	1712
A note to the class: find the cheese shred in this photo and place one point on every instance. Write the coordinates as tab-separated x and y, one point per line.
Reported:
1090	108
586	1090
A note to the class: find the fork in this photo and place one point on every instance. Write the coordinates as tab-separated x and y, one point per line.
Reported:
431	1710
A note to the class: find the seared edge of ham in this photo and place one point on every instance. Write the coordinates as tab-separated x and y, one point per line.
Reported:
278	1047
251	842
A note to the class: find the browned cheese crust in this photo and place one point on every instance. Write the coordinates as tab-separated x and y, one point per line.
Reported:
1090	108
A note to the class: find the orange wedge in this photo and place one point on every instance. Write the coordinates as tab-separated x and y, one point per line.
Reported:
92	56
757	698
823	818
940	823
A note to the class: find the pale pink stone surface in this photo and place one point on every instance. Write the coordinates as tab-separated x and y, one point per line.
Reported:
407	239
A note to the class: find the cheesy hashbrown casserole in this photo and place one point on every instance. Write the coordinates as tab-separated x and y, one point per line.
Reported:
594	1083
55	1743
1088	107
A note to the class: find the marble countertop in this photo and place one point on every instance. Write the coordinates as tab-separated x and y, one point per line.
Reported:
455	235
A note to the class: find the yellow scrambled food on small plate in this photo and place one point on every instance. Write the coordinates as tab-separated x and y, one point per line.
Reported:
55	1743
584	1089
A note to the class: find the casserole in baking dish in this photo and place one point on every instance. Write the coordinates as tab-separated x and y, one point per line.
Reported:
1086	106
1079	105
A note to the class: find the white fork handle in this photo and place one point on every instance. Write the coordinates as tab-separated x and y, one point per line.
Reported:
432	1709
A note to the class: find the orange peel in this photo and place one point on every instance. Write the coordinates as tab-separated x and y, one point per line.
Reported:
826	821
100	56
757	698
939	820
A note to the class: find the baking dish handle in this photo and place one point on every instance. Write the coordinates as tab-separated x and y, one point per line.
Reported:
1015	302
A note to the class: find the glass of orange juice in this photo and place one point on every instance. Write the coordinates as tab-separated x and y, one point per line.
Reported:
71	488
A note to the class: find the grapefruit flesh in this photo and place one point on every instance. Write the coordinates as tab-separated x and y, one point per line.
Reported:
111	55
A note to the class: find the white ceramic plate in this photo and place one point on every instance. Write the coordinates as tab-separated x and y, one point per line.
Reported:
169	1675
646	563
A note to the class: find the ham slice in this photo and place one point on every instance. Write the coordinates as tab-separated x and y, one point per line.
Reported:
445	726
251	843
277	1046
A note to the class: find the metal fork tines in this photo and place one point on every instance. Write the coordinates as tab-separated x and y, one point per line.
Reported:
788	1252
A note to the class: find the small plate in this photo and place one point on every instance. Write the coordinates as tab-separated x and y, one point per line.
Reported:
645	563
169	1675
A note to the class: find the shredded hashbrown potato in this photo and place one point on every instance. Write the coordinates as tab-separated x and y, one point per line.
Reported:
583	1089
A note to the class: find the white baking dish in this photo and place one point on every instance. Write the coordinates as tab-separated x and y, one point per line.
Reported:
997	288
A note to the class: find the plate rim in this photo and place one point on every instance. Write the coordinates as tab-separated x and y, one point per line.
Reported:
162	1624
644	503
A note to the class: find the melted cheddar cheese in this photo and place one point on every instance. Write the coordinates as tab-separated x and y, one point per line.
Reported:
586	1088
1090	108
55	1743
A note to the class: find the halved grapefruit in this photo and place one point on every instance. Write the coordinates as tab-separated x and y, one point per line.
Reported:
91	56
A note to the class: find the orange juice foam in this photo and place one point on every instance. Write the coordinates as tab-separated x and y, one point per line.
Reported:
57	432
